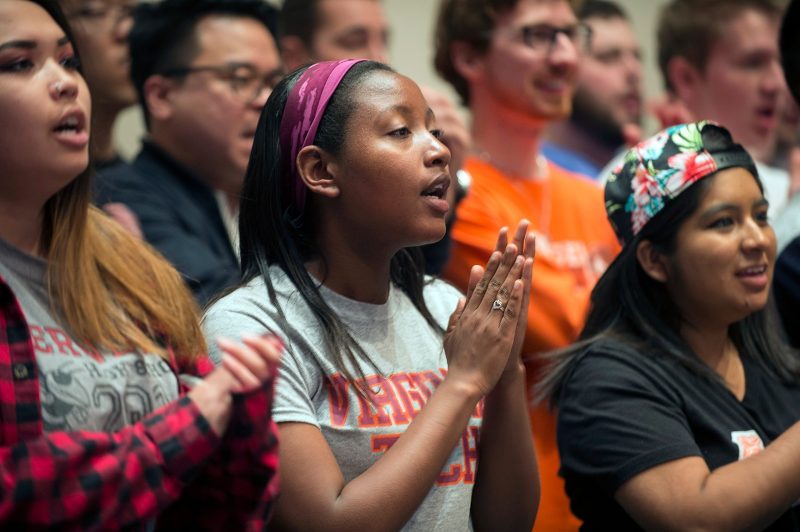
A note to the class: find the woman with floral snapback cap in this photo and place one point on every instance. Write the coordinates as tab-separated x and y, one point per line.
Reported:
678	407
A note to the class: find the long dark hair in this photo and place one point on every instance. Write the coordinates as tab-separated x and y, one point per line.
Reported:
631	311
273	232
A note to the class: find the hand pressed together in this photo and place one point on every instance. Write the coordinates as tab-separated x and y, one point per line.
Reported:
484	335
526	246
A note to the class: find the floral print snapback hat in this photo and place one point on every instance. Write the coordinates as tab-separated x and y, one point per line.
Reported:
659	169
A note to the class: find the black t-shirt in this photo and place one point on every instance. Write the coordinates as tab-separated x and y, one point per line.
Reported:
623	412
786	288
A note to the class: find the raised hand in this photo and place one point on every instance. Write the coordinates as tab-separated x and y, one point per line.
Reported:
482	330
245	368
526	244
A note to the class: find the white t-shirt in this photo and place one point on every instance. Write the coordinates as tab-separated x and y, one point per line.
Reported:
410	363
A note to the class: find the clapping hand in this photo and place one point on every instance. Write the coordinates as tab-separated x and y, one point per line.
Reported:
251	363
483	330
246	367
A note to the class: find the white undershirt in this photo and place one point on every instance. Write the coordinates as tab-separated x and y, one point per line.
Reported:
230	220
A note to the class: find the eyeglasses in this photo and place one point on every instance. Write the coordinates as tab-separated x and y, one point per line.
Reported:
245	81
542	37
111	14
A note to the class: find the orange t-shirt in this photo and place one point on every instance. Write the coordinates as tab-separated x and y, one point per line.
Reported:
574	245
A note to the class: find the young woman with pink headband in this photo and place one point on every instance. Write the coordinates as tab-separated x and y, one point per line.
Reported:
387	397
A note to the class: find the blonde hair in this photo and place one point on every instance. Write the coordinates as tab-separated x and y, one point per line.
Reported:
111	289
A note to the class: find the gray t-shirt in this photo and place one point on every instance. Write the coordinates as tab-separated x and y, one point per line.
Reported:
79	387
411	363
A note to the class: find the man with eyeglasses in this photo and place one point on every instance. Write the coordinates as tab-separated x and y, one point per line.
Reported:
101	33
607	105
515	63
203	70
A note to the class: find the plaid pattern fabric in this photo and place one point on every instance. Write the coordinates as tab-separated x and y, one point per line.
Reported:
170	465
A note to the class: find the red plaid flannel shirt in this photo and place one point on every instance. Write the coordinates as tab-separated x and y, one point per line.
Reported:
170	466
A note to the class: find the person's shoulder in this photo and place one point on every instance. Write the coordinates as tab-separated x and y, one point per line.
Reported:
119	172
115	167
156	169
246	309
568	159
112	180
608	360
609	351
133	182
256	292
250	294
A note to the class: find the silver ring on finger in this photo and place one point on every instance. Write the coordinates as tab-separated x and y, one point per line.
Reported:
498	305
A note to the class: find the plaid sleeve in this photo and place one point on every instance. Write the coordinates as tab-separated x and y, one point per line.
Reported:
240	482
88	480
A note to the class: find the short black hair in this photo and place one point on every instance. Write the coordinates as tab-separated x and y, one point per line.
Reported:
163	34
790	48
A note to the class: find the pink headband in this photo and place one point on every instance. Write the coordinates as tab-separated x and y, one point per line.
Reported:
302	114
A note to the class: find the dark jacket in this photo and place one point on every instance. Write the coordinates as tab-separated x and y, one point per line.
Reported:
179	216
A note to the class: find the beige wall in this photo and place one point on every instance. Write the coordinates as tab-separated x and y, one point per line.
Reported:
411	53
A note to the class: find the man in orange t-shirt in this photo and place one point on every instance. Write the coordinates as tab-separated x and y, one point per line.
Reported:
516	69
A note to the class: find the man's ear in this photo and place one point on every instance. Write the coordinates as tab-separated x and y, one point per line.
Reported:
294	52
467	60
317	171
653	262
157	93
685	79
